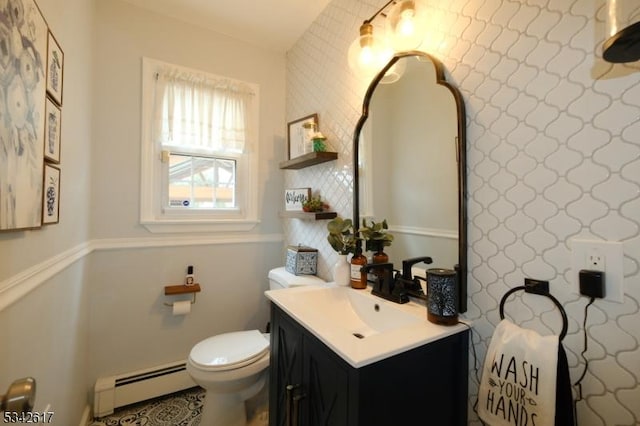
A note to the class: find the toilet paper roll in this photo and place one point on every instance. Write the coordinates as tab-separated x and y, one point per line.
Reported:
182	308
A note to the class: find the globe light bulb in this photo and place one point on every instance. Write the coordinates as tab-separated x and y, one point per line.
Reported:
368	54
406	25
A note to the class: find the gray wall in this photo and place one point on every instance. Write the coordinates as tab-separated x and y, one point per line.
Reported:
126	281
84	298
124	34
45	333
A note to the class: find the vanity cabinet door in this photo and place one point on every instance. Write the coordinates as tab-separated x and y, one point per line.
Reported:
285	375
326	384
308	382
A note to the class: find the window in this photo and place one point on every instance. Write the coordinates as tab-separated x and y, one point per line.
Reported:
199	182
199	152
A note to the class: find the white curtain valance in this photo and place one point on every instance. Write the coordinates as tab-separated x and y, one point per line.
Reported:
201	112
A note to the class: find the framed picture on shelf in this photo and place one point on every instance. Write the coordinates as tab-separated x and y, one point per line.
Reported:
294	197
52	124
299	135
55	69
51	197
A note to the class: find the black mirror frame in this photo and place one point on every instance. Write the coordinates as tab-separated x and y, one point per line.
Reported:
461	268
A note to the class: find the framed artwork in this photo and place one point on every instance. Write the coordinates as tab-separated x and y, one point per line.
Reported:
52	122
293	198
55	69
22	95
299	136
51	198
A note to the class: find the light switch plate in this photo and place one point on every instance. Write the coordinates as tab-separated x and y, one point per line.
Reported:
606	256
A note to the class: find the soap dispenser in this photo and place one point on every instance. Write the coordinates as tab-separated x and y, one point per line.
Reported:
358	277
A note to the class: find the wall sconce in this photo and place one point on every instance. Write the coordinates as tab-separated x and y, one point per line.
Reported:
406	24
623	31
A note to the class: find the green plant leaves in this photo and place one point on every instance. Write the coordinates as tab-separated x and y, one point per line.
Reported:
376	235
341	236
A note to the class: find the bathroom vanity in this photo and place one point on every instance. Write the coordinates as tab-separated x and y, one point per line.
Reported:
363	361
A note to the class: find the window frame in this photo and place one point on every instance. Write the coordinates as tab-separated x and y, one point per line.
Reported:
154	172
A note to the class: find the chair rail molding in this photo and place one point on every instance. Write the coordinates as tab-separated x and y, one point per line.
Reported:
18	286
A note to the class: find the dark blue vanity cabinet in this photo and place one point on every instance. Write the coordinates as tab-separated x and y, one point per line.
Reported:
311	385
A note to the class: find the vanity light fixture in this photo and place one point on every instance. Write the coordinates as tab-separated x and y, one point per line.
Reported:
369	53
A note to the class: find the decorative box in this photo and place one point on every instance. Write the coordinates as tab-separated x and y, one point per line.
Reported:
301	260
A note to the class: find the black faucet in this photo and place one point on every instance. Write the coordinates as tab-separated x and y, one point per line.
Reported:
385	283
410	283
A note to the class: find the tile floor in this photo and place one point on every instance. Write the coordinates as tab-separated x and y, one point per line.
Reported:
180	409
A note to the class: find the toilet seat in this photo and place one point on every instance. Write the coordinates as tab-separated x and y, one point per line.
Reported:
229	351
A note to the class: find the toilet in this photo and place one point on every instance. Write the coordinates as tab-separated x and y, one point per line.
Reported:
280	278
232	367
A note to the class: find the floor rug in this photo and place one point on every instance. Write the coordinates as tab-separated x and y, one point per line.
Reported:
180	409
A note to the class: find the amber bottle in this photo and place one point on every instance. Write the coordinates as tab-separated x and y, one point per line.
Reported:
380	257
358	278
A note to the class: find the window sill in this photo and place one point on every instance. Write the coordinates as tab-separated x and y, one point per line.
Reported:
177	226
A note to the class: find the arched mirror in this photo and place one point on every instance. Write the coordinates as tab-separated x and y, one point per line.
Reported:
409	164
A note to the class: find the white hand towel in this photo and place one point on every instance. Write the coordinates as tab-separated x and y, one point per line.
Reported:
518	385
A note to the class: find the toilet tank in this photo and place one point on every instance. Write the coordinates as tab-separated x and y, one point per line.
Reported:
280	278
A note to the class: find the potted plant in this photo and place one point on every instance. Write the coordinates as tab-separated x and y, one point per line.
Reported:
343	240
314	204
376	238
319	142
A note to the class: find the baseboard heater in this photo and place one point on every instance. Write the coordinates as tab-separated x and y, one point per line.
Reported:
117	391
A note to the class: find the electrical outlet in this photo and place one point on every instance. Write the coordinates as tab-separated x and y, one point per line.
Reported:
605	256
595	259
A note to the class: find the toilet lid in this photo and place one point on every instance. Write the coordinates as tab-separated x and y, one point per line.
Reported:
230	350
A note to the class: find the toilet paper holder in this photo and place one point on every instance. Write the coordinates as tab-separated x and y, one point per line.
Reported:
172	290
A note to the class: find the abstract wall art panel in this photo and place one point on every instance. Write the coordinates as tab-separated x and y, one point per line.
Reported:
23	55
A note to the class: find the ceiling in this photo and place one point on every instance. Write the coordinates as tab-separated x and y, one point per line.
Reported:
272	24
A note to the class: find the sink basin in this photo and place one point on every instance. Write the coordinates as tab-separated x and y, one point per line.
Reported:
358	326
360	313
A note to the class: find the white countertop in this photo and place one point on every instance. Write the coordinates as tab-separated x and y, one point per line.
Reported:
329	313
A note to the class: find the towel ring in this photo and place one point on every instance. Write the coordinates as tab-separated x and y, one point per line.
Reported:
565	321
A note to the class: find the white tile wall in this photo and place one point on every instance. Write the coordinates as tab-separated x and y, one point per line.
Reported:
553	153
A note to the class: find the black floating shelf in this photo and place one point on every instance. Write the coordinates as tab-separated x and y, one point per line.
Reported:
309	215
307	160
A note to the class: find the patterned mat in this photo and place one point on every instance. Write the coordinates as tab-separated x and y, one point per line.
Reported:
180	409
